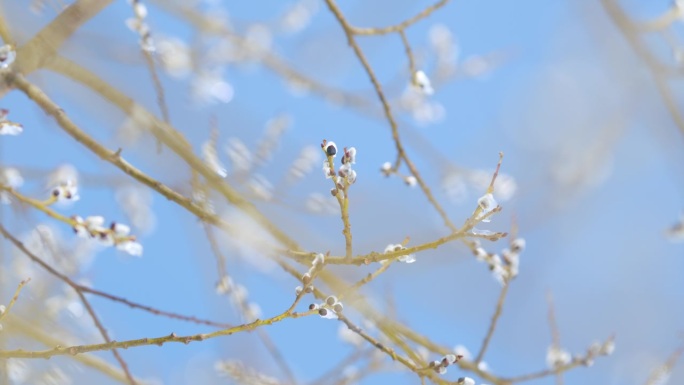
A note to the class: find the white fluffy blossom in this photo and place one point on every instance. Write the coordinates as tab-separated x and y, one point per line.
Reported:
63	183
421	80
557	357
409	258
8	127
410	180
7	55
174	56
487	203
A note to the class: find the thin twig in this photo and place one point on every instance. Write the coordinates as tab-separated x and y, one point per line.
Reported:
366	259
555	333
409	52
17	243
159	91
278	357
371	276
342	196
103	332
401	153
493	323
80	349
403	25
629	31
14	298
662	372
24	327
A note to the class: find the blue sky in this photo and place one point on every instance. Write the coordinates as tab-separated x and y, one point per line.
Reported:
596	158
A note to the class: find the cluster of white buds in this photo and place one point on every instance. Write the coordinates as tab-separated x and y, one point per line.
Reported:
597	349
66	191
408	258
329	309
504	269
7	55
409	180
307	278
557	357
8	127
440	366
465	381
117	234
63	184
346	176
138	25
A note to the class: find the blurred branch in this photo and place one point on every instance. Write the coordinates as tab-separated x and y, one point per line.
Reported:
14	299
493	323
80	349
79	292
4	28
105	335
375	256
341	193
46	43
113	157
167	134
269	59
401	153
85	289
631	34
401	26
555	333
24	327
409	53
661	374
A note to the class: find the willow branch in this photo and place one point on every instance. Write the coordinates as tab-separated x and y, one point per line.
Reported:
403	25
629	31
159	341
20	325
162	131
401	153
46	43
